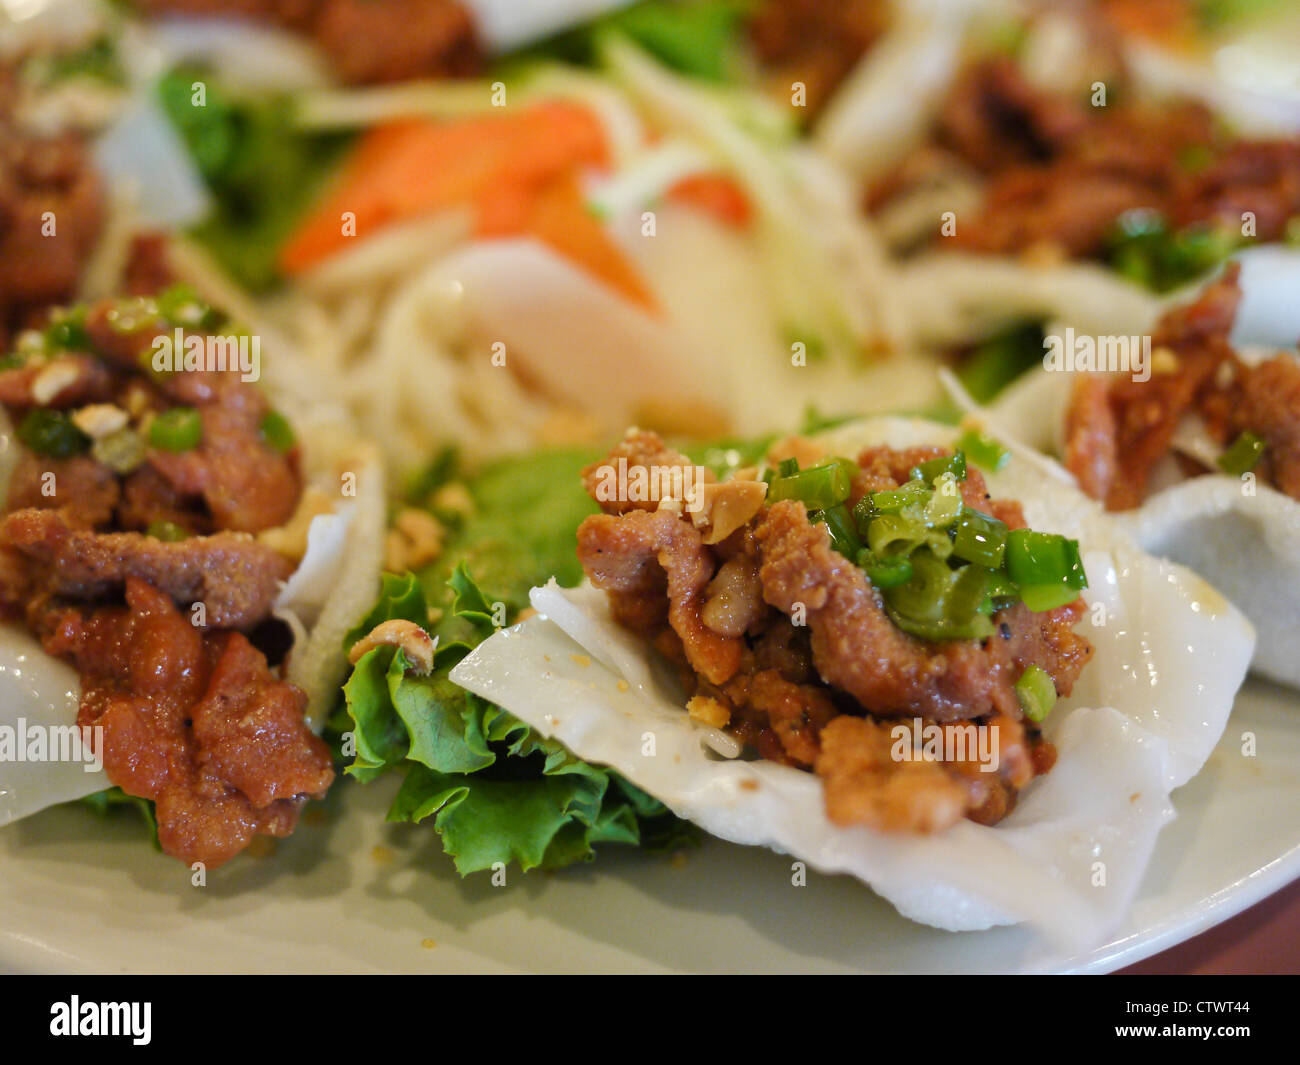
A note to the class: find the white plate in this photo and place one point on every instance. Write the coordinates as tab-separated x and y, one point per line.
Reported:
351	893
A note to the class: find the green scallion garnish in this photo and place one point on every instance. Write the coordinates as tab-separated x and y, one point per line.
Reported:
818	487
1243	455
984	451
52	433
980	538
277	432
168	531
178	429
1037	693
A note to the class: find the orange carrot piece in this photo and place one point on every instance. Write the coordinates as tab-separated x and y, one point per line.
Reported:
561	220
715	194
494	164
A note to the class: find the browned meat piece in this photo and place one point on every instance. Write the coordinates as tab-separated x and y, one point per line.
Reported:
858	649
1061	172
1260	177
195	722
51	211
399	39
1121	159
796	713
1092	437
817	42
85	492
641	450
147	498
147	270
995	118
1120	428
77	378
866	785
250	730
628	556
234	576
246	485
367	41
1270	406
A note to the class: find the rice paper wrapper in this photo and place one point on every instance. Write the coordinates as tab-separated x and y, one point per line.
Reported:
1149	708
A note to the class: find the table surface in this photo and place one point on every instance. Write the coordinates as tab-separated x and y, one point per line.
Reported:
1264	939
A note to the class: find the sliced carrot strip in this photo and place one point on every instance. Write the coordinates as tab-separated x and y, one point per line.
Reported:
561	219
716	194
494	164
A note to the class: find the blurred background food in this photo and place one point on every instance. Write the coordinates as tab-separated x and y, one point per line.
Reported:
466	223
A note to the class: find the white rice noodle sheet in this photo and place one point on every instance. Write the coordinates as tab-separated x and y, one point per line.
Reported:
955	297
337	580
1171	653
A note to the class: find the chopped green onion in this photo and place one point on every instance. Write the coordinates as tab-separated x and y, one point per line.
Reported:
886	572
788	467
52	433
277	432
67	331
122	451
132	315
166	530
895	534
1244	454
1043	597
983	450
844	536
944	506
980	538
940	603
818	487
1035	558
864	513
177	429
180	305
913	494
1037	693
949	465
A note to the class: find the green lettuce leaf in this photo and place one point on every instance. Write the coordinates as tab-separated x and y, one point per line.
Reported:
493	790
112	800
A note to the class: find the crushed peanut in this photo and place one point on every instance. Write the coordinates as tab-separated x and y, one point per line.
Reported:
1164	361
414	541
724	507
53	379
290	539
454	497
414	642
99	420
708	711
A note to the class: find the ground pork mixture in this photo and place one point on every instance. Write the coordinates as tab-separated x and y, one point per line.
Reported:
786	643
1120	430
128	546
